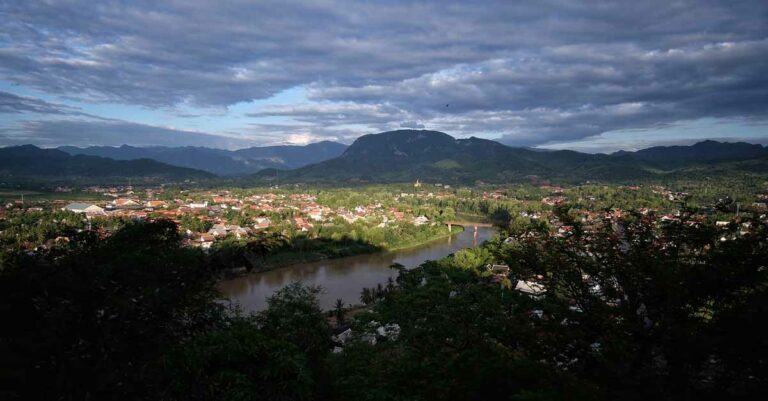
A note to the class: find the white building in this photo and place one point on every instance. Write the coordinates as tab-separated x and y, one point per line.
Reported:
86	208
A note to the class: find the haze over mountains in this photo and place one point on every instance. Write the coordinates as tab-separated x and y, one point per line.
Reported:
221	161
393	156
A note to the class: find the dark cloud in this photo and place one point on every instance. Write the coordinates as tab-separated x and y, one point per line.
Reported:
12	104
530	72
52	133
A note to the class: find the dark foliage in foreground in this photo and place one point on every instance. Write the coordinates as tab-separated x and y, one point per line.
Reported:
89	322
632	310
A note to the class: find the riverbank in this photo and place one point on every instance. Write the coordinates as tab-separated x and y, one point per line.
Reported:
476	218
345	278
350	311
287	259
454	230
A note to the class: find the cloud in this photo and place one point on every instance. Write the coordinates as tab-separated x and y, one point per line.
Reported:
528	72
52	133
289	133
15	104
565	95
412	125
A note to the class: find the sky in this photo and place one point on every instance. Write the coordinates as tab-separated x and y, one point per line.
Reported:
593	76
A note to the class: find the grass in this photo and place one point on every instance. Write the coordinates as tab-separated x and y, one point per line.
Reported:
454	230
447	164
15	194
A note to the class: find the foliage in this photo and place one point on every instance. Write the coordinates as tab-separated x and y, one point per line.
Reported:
634	309
639	312
27	229
90	321
192	223
238	362
294	314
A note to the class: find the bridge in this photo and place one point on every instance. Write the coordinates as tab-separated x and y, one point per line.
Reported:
466	224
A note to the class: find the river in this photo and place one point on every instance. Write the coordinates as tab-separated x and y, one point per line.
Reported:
344	277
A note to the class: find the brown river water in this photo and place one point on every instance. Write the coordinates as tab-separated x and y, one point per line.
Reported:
344	277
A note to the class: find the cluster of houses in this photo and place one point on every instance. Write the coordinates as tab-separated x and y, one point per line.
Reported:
301	210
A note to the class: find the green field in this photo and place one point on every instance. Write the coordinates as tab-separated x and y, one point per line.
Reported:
7	195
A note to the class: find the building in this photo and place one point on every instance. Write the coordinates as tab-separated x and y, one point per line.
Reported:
262	223
125	203
218	230
302	224
499	269
86	208
530	288
156	204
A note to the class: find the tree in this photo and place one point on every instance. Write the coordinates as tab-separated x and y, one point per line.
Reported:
338	311
264	244
448	214
194	224
293	313
472	258
366	296
92	321
501	218
237	363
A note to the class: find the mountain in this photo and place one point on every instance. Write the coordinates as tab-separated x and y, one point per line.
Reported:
220	161
31	161
294	156
433	156
705	152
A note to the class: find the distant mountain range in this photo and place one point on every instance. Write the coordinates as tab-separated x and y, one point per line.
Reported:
220	161
407	155
395	156
706	152
17	162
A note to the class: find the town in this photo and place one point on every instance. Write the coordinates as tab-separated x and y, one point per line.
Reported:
204	217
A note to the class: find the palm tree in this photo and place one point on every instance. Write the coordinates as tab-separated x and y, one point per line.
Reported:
339	312
390	284
366	297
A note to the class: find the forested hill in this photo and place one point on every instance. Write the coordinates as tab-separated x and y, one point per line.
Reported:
221	161
31	161
407	155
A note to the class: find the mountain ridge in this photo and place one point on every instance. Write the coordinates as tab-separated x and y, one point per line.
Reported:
405	155
32	161
220	161
394	156
707	151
